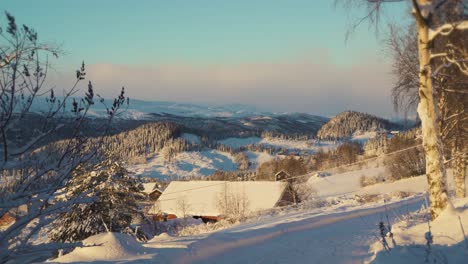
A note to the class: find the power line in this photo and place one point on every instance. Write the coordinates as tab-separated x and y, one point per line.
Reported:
305	175
355	163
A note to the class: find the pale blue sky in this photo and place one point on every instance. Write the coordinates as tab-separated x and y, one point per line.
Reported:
197	34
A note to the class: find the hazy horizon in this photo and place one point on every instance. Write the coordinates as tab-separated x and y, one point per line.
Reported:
288	56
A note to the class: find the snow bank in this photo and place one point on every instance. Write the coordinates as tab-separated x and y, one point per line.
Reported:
449	244
109	247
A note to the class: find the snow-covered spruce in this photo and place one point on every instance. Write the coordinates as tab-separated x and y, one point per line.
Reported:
115	194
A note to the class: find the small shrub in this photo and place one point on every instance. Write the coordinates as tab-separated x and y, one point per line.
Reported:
401	194
371	180
407	163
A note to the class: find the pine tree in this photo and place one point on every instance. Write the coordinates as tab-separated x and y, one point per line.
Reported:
115	194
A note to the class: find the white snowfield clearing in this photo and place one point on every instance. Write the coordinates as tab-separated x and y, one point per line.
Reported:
290	144
186	165
348	184
195	164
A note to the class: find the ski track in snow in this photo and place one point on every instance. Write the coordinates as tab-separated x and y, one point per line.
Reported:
333	238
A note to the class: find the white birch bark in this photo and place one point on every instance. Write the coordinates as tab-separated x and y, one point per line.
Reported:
427	110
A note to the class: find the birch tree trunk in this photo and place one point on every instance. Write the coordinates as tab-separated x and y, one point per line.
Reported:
427	110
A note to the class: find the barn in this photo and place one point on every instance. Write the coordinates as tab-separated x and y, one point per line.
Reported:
205	199
282	175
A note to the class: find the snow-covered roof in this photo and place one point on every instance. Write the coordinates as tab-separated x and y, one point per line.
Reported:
150	187
204	197
281	172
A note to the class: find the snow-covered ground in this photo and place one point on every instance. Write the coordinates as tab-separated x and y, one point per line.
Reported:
363	137
348	183
108	247
195	164
290	144
301	237
311	236
256	158
449	238
344	229
191	138
186	165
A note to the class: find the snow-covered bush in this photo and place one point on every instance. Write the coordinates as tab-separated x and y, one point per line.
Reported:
371	180
346	153
407	163
242	161
300	191
202	228
233	205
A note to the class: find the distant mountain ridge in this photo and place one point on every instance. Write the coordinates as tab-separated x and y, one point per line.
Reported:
215	120
353	123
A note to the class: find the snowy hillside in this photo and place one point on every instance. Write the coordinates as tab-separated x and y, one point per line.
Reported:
354	124
187	164
193	164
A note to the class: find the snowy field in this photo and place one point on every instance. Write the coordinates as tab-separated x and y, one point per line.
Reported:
186	165
191	164
195	164
306	145
191	138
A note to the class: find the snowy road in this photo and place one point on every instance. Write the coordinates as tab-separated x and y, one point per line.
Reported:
296	238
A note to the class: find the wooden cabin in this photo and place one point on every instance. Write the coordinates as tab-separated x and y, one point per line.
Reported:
282	175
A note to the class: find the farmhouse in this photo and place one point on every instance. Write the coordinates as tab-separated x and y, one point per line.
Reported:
205	199
152	190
